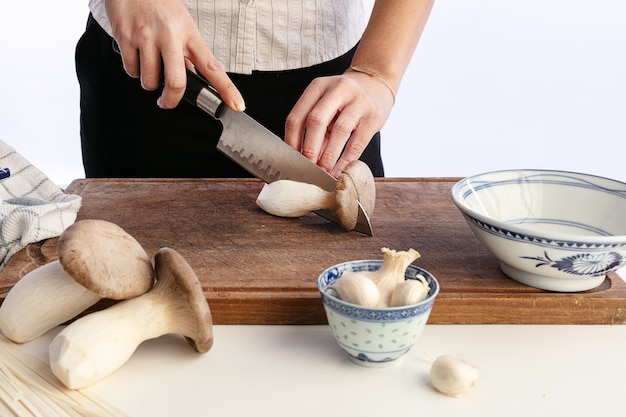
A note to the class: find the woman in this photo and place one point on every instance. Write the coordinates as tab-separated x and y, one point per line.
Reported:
316	73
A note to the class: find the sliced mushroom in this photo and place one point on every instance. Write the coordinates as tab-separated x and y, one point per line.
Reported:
97	259
97	344
356	183
287	198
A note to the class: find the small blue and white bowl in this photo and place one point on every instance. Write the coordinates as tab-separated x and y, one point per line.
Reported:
553	230
375	337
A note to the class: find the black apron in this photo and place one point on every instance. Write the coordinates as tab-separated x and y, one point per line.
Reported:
124	134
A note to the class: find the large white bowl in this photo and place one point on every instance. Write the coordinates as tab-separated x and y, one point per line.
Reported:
554	230
375	337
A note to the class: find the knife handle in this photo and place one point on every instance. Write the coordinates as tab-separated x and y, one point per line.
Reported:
201	94
198	91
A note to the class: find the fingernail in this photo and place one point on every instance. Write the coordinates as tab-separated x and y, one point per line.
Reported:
240	104
160	102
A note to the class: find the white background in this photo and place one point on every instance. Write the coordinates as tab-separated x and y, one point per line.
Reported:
494	84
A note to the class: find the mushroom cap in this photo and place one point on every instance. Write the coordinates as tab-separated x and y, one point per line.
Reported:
172	267
105	259
355	184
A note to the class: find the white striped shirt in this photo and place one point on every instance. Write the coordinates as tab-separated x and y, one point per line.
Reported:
271	35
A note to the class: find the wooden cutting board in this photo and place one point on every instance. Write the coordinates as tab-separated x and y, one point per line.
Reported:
260	269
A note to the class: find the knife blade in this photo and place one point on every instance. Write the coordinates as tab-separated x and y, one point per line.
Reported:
259	151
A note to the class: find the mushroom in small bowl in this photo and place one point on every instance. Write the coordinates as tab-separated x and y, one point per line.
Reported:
554	230
377	309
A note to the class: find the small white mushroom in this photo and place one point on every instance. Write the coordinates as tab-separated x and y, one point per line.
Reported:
411	291
391	272
97	259
386	286
287	198
452	376
97	344
357	288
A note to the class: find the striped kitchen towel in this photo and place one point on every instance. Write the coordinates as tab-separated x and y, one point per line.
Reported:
32	208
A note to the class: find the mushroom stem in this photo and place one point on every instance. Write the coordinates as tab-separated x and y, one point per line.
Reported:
48	288
96	345
97	259
287	198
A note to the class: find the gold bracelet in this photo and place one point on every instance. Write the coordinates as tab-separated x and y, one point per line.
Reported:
375	75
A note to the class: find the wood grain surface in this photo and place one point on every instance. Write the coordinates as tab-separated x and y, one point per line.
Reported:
259	269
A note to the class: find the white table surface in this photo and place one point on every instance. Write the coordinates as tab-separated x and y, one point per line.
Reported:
526	370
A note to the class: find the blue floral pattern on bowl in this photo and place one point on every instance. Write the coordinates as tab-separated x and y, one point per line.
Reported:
583	264
598	259
375	337
542	241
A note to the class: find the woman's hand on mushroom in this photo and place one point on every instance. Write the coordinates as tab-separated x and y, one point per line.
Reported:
158	40
336	112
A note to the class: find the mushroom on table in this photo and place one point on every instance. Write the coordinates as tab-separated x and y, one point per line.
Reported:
97	344
97	259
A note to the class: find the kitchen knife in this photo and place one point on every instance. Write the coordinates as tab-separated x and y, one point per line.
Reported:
259	151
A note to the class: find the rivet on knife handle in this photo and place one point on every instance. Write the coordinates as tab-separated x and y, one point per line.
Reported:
199	93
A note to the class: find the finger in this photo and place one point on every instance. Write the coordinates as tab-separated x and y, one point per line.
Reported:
308	122
294	129
296	123
316	133
174	77
355	147
209	67
328	128
150	67
130	60
189	65
339	133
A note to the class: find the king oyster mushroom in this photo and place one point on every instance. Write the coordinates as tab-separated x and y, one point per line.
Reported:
97	259
287	198
97	344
